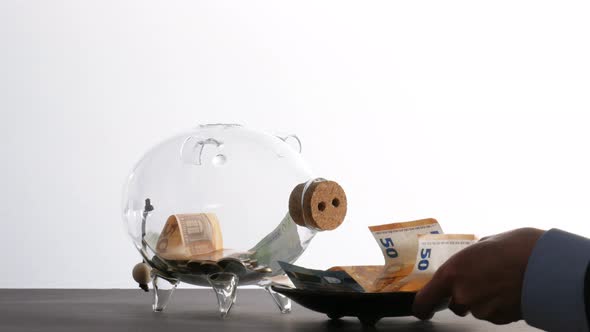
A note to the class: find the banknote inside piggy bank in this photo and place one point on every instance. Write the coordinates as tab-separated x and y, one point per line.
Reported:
219	206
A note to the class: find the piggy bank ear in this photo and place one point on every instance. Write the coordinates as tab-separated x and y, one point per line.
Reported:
292	140
195	150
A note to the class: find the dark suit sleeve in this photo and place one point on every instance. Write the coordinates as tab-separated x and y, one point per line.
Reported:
587	294
556	283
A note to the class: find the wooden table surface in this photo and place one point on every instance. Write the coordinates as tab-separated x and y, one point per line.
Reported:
192	310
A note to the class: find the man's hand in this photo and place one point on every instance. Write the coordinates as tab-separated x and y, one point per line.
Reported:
485	278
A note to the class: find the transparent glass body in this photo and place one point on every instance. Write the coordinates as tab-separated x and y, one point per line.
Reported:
242	176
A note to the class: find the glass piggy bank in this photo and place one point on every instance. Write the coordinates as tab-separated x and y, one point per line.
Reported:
220	206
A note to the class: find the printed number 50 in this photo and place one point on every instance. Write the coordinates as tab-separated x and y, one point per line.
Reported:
389	250
423	264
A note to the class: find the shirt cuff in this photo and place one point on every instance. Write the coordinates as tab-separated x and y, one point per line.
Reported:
553	287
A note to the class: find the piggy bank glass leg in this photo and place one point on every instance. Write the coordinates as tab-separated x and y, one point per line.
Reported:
283	302
224	284
163	289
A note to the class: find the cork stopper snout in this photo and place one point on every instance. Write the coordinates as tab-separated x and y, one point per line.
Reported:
318	204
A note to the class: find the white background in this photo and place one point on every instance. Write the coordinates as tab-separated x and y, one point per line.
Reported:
475	113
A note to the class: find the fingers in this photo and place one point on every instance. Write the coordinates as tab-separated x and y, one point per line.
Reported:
459	309
427	317
485	238
494	311
435	292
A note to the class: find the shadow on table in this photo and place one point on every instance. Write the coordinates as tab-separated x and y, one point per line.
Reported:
383	325
255	312
264	321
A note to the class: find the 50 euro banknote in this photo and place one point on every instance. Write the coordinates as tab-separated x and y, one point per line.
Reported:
403	245
433	251
412	251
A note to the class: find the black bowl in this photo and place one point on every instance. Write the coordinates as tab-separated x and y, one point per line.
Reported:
368	307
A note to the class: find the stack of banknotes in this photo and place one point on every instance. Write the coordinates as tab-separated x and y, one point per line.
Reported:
193	244
413	251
